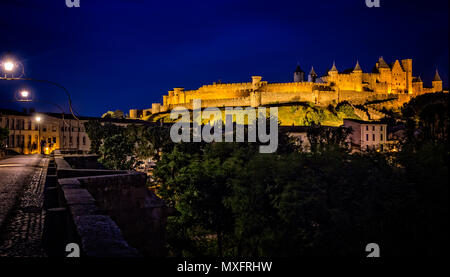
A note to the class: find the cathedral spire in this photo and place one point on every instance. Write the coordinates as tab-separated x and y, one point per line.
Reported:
357	67
437	77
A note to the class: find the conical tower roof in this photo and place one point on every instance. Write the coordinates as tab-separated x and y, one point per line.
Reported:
312	72
298	69
357	67
437	77
382	63
418	79
334	67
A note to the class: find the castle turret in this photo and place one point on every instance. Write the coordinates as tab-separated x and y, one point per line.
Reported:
357	67
312	76
333	69
333	73
255	94
417	85
385	74
156	108
407	67
299	75
133	113
357	74
179	96
437	82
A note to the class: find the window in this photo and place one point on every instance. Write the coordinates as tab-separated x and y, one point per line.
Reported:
367	137
381	137
373	137
367	127
84	140
54	128
54	139
381	128
373	128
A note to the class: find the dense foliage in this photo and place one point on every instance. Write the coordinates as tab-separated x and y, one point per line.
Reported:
124	147
233	201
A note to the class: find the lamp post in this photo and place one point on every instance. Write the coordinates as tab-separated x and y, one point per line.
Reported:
14	70
38	120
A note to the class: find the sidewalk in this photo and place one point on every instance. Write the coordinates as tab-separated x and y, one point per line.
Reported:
21	232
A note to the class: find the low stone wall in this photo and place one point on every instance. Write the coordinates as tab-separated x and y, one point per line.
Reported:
84	161
140	214
109	213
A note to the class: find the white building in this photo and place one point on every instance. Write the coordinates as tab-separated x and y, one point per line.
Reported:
367	134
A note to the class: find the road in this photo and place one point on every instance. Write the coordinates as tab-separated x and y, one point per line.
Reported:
21	198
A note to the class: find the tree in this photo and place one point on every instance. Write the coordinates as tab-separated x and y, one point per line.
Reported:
116	153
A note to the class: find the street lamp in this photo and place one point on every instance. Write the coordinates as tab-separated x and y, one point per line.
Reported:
24	93
23	96
8	66
11	73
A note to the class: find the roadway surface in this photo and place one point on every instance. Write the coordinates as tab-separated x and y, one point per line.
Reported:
21	199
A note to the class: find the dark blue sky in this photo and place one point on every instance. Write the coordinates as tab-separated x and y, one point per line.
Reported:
120	54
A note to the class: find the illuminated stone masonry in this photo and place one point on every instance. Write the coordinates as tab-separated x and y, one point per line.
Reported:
384	82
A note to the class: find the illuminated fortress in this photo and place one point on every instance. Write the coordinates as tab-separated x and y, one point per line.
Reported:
392	83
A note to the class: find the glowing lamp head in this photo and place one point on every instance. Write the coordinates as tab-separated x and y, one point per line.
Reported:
8	66
38	119
24	94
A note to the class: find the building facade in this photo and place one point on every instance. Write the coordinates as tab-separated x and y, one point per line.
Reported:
367	135
53	131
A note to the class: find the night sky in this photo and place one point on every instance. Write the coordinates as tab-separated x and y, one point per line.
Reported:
126	54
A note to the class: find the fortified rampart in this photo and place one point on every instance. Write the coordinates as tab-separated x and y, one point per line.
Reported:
393	82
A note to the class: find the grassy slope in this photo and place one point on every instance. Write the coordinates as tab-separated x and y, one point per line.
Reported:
297	114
